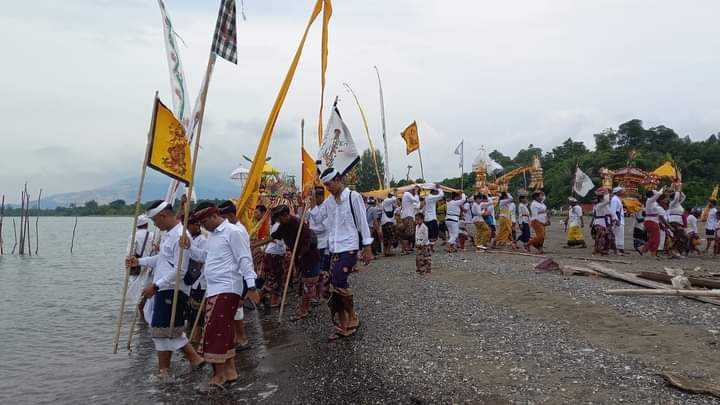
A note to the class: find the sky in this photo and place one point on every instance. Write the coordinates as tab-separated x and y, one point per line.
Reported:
78	79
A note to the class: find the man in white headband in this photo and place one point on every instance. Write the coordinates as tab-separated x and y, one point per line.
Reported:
167	339
348	235
617	211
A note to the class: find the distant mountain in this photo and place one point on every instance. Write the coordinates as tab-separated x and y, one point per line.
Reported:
155	188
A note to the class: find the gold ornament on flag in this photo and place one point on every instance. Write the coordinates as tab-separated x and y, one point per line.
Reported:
169	148
410	135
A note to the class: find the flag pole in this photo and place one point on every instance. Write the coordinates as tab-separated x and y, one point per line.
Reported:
188	190
462	164
131	250
384	136
367	132
292	261
422	172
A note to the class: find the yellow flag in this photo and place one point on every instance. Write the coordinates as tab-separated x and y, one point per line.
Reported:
666	170
410	135
169	148
250	193
309	172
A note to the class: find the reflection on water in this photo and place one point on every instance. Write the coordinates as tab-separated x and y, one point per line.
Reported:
57	324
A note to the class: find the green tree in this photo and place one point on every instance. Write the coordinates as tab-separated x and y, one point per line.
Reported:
367	176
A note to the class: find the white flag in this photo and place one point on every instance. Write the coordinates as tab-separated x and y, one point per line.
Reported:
338	148
583	184
493	166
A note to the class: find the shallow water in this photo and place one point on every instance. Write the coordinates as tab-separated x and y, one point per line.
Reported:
58	319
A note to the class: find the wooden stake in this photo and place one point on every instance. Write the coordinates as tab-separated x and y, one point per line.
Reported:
188	190
37	231
21	248
292	262
2	215
27	220
16	241
72	241
121	310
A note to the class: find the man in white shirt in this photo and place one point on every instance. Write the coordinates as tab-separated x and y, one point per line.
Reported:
430	214
143	248
617	211
228	211
387	224
538	220
348	234
711	224
160	293
410	199
315	221
227	257
454	210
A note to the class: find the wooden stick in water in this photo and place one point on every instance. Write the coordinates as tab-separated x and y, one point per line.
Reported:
27	220
72	241
21	247
37	218
16	241
2	215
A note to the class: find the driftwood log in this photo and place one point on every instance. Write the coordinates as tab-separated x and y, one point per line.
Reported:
665	292
692	385
634	279
664	278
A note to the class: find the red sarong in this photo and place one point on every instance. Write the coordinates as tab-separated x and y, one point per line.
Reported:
653	236
218	341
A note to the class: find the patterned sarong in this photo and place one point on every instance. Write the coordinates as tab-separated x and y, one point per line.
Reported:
539	239
504	234
218	341
603	239
423	259
162	311
273	268
389	240
482	233
408	232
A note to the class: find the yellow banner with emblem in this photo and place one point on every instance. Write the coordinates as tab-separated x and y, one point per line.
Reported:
169	149
410	135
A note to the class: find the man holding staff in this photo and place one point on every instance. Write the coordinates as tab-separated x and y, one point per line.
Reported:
167	339
227	257
348	235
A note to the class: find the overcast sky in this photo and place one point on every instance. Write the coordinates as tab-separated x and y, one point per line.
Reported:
77	78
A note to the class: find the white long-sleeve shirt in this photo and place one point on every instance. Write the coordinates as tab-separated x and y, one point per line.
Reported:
676	210
652	209
408	205
164	263
575	216
617	211
523	213
692	224
227	259
430	210
339	222
513	213
538	211
315	220
505	207
602	212
454	208
711	223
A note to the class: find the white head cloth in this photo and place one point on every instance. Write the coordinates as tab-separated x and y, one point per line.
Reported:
618	189
330	176
142	220
152	212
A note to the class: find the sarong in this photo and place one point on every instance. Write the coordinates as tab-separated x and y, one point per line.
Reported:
602	239
504	234
408	233
375	247
539	239
162	311
681	243
389	241
453	230
524	232
575	235
652	229
273	267
340	267
423	259
433	230
482	233
218	340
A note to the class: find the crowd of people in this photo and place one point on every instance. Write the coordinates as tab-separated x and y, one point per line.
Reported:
316	245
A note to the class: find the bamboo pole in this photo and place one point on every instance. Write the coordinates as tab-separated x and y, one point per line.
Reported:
422	172
665	292
21	247
2	216
384	135
121	310
292	262
369	137
37	219
188	190
16	240
72	240
201	308
27	220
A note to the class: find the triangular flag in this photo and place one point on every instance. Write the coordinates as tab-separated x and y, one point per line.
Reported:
338	148
582	184
309	172
459	149
410	135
